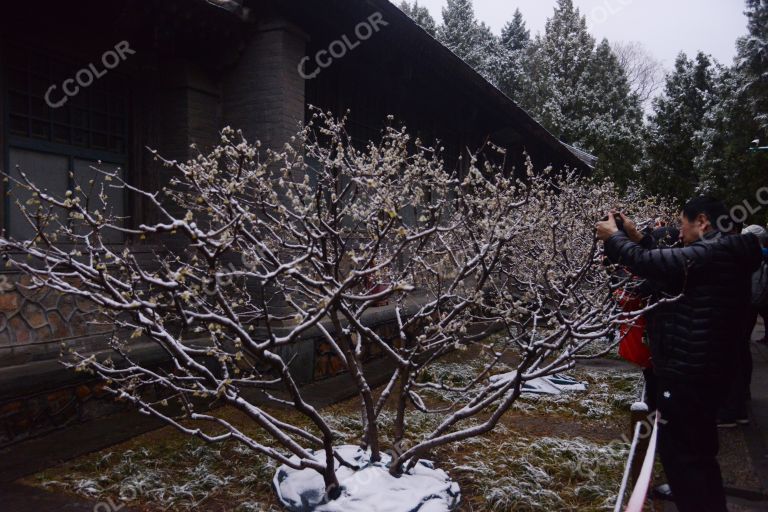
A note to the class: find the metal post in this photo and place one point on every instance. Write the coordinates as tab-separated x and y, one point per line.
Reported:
639	415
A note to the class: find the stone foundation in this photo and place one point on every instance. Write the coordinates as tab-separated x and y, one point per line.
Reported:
32	322
37	415
40	395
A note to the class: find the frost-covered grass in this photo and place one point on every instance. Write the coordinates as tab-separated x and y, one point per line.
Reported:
528	474
610	393
550	453
170	473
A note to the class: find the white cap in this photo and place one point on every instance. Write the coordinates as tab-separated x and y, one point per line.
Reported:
756	230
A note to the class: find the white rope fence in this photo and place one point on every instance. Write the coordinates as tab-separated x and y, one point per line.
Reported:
643	481
637	500
628	469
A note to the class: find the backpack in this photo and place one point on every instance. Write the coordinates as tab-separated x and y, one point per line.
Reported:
760	286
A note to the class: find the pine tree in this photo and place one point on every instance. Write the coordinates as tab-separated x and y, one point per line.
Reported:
469	39
420	15
608	120
511	73
669	167
515	35
753	59
576	91
725	168
556	65
737	113
458	29
491	52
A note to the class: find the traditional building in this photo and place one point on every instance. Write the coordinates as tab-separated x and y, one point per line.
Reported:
101	81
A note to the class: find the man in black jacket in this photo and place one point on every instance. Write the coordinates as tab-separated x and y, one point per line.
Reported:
692	339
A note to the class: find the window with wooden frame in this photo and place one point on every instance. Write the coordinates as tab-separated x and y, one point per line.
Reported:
58	143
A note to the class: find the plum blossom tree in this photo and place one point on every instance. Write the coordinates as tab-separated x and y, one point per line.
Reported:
310	238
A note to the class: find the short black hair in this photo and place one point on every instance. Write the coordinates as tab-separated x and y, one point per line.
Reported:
713	208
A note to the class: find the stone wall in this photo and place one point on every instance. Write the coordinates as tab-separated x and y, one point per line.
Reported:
27	417
78	399
34	322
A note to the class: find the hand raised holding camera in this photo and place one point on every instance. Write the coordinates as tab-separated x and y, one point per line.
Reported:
606	228
629	227
614	222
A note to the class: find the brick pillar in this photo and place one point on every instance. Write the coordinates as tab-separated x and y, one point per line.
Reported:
264	95
184	109
181	105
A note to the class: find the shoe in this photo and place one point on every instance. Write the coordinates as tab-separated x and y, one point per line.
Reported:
662	492
726	423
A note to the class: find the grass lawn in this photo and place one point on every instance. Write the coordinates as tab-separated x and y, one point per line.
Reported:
549	454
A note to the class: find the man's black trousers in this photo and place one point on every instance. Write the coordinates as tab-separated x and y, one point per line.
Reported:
688	443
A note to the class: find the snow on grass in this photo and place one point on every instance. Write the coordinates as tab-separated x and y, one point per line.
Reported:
181	478
515	468
609	391
525	474
610	394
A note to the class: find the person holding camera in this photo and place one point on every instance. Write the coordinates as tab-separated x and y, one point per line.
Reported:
692	338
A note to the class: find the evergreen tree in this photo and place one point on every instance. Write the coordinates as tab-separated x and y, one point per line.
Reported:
608	121
469	39
556	65
581	94
577	91
725	168
420	15
515	35
672	147
511	73
493	55
753	59
737	113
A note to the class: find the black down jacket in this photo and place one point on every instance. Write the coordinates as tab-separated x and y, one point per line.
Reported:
693	338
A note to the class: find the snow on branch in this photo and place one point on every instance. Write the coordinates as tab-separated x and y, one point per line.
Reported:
256	249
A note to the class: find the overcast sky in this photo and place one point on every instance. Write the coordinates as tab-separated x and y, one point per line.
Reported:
666	27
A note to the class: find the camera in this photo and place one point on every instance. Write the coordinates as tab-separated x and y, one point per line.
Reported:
618	219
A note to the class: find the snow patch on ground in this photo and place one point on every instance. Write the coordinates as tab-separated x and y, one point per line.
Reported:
550	385
370	489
